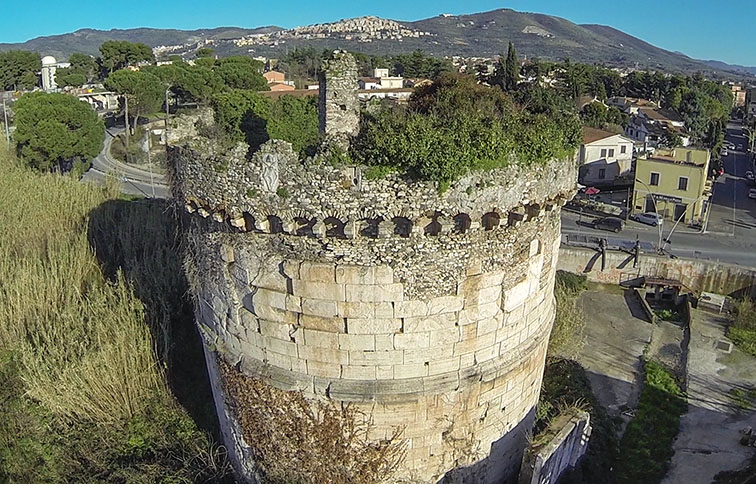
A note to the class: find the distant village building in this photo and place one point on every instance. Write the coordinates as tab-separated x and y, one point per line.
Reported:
650	126
604	157
673	183
277	81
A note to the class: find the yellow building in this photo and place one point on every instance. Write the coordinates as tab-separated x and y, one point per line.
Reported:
673	183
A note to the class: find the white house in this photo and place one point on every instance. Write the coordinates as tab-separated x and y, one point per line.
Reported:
650	125
604	157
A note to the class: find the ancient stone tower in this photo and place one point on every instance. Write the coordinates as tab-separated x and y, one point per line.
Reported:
338	105
428	312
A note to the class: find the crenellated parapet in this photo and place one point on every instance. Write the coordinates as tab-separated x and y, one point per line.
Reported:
275	192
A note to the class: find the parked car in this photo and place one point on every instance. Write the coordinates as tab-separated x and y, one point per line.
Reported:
648	218
752	193
749	175
724	152
730	145
612	224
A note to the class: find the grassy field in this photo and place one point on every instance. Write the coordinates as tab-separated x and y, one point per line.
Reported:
93	326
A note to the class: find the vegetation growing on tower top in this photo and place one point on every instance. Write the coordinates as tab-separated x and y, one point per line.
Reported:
455	125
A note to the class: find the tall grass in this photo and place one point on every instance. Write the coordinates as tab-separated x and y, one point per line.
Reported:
88	338
568	333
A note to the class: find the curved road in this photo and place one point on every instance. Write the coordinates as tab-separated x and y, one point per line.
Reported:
134	181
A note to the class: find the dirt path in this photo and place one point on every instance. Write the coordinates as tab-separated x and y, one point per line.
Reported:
709	432
616	336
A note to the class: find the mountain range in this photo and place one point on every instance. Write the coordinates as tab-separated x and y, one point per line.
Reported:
475	35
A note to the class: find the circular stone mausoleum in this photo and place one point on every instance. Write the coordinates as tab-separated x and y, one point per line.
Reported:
429	313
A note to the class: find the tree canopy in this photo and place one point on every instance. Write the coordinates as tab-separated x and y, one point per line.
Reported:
242	73
53	130
117	54
456	125
143	90
250	116
18	69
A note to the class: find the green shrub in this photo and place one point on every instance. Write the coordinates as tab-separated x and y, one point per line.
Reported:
646	447
455	126
571	282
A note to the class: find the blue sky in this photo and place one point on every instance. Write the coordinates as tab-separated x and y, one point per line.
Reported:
699	28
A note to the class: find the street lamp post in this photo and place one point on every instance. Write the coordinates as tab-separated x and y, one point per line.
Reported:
682	216
656	209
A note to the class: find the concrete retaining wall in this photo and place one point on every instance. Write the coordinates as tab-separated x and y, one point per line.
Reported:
564	444
696	274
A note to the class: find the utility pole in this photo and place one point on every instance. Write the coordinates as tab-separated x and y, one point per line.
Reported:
126	98
167	113
149	163
7	129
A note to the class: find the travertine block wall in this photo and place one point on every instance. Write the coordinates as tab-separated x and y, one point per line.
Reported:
459	372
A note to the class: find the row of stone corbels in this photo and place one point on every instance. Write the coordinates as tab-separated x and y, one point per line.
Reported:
385	227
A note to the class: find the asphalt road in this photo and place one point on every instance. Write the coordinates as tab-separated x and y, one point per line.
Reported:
134	181
731	233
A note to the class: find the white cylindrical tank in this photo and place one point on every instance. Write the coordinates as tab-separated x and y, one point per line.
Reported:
49	66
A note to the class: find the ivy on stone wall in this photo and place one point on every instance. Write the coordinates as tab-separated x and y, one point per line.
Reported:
456	125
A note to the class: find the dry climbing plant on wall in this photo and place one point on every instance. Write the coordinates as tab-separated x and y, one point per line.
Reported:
296	440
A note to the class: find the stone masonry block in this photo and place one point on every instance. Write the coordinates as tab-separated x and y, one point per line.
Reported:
358	372
276	330
535	247
490	324
412	370
324	355
445	304
317	272
272	280
411	340
331	325
355	274
410	309
373	326
384	372
475	344
384	310
480	281
277	345
486	354
291	268
443	337
293	303
423	355
248	320
384	274
436	367
320	307
323	369
321	339
392	357
277	315
359	310
375	293
356	342
430	323
483	296
516	296
473	314
266	297
384	342
319	290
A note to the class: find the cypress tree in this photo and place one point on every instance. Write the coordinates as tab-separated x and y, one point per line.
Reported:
511	70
